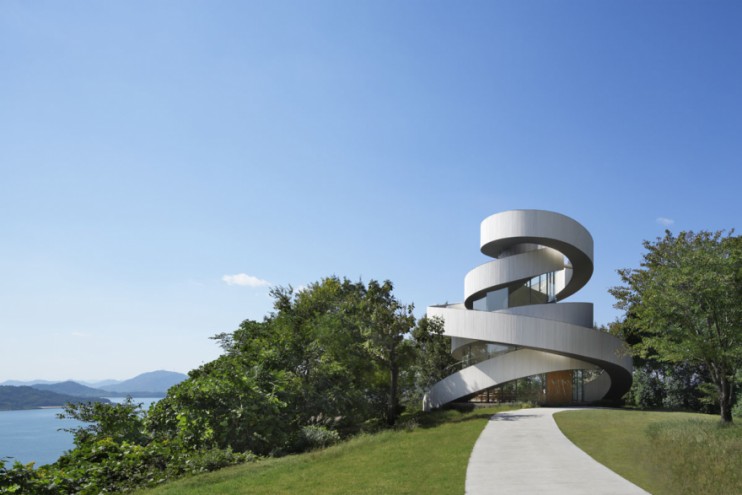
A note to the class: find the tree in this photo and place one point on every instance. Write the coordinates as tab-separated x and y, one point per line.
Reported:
328	357
433	360
684	305
121	422
387	323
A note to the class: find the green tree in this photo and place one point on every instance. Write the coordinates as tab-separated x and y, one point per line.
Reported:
683	305
387	323
120	422
433	360
237	401
329	356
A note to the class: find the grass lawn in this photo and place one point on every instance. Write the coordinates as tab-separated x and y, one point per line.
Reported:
663	452
430	458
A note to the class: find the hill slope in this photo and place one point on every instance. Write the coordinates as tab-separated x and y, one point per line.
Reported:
427	458
71	388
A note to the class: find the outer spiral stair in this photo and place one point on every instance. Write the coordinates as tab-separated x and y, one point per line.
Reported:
513	323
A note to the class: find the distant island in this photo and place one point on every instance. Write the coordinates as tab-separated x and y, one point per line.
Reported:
40	394
15	398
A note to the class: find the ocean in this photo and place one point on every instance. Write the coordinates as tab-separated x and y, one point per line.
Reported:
34	435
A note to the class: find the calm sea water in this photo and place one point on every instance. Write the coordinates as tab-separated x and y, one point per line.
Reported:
35	436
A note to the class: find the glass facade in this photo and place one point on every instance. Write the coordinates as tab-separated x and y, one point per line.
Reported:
476	352
578	384
540	389
557	387
529	389
537	290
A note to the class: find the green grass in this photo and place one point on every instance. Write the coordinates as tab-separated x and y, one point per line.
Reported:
429	458
663	452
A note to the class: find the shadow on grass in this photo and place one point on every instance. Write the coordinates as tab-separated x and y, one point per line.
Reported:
459	415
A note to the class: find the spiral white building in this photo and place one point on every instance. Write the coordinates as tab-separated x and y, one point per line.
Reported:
510	326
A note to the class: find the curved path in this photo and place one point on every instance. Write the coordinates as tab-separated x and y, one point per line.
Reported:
524	452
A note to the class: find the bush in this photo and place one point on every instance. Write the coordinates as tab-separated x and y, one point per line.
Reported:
647	390
107	466
20	478
317	437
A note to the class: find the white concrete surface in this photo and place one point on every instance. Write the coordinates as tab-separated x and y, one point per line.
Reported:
553	336
524	452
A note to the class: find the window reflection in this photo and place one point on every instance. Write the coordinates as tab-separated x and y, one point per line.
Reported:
538	290
545	388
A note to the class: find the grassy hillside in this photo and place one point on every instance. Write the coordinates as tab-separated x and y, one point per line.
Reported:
428	458
663	452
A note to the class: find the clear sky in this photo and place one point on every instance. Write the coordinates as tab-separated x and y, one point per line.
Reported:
162	164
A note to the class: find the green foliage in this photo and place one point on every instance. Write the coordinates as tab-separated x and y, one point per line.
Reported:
330	355
109	466
228	403
114	452
20	478
330	361
683	306
317	437
119	422
433	360
681	387
387	323
647	391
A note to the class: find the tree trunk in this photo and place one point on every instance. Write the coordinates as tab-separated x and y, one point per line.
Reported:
725	398
393	406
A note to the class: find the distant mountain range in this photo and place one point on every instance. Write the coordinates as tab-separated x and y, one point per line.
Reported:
70	388
152	384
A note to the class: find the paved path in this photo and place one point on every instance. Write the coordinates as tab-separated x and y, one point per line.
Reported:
524	452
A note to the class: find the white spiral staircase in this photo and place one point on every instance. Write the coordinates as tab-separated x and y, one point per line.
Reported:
510	325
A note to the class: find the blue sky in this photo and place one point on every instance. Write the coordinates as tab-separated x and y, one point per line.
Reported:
148	150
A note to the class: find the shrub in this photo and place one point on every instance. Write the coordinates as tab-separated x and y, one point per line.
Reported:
317	437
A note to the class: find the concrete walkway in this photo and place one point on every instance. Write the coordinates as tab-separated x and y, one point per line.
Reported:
524	452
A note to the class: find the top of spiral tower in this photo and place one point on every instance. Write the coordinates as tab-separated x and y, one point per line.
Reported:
510	231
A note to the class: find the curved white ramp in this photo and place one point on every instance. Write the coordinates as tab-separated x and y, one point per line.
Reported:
541	258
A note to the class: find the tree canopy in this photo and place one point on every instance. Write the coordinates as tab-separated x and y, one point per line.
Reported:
333	359
335	355
683	306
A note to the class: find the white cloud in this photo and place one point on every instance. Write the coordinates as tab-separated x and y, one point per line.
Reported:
245	280
80	334
665	221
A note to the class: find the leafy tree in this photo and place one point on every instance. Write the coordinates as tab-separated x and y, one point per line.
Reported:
683	305
236	401
433	360
121	422
387	323
323	347
329	356
324	364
